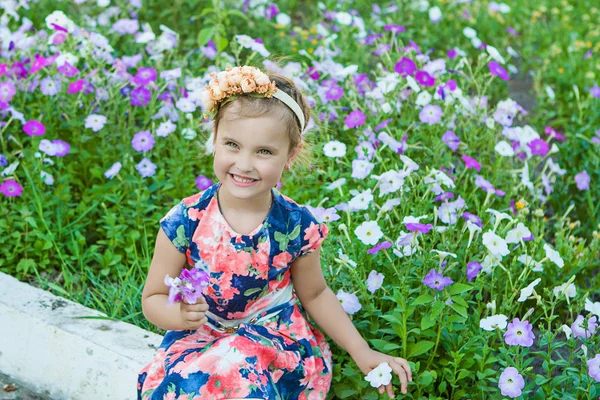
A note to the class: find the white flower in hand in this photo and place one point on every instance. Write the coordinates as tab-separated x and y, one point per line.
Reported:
380	376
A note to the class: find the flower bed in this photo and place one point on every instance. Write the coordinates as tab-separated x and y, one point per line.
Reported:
464	227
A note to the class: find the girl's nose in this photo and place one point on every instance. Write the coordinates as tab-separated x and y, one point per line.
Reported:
244	163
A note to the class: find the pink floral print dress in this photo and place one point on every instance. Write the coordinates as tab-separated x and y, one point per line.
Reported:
258	343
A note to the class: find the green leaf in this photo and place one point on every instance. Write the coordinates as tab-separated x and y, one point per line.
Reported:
347	393
459	288
419	348
58	289
237	13
250	292
221	43
423	299
462	374
205	35
425	379
427	322
461	310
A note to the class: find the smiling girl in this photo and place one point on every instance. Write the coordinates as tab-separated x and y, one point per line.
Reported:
249	336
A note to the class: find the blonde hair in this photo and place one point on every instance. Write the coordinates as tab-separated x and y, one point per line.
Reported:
253	107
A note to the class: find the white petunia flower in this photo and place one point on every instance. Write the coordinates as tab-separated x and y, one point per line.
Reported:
495	244
283	19
529	261
336	184
349	302
528	291
550	92
570	291
343	18
368	232
517	234
567	330
361	201
380	376
435	14
593	308
495	321
469	32
492	51
188	133
423	99
412	83
504	148
47	178
553	256
334	149
499	215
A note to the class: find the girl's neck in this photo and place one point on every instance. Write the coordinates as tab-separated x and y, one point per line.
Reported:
255	205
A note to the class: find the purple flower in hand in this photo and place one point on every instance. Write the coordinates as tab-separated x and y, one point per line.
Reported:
511	383
519	333
436	281
188	286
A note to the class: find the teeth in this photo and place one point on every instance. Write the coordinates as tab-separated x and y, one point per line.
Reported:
241	180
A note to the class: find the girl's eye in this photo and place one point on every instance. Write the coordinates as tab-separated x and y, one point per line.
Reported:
265	152
230	144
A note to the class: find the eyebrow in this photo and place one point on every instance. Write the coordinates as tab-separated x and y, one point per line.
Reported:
226	138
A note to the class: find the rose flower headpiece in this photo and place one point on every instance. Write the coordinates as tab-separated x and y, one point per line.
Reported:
228	85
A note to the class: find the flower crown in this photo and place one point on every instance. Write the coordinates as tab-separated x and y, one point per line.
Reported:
228	85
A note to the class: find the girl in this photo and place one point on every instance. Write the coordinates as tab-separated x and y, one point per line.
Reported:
247	337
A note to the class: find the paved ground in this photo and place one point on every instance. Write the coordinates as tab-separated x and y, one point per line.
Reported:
8	392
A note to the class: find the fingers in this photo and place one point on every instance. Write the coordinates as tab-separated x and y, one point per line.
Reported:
406	366
194	316
398	369
194	307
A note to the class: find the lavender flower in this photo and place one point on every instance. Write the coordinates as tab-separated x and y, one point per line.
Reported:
582	180
142	141
68	70
3	160
334	93
374	281
473	218
578	328
473	269
375	249
451	140
424	78
594	367
188	286
511	383
349	301
140	97
61	148
354	119
519	333
436	281
414	226
146	168
497	70
50	86
113	170
431	114
471	163
144	76
538	146
7	91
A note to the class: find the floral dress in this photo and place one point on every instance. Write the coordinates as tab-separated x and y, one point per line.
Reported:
258	343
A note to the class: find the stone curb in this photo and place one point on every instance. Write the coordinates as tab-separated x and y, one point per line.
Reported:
45	343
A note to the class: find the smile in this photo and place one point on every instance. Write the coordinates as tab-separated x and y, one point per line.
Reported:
241	181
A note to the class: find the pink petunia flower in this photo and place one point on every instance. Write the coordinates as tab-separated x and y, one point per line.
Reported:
34	128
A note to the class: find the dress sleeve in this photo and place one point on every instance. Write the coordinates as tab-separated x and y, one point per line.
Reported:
176	225
312	233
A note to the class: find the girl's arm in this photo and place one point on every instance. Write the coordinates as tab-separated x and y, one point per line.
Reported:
324	307
166	260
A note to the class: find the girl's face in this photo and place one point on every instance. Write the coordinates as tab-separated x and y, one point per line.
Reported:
250	154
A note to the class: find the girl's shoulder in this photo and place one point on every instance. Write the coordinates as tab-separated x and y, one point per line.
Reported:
291	206
201	199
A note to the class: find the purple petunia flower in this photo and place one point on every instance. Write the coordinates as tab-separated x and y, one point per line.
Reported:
582	180
594	367
146	168
473	269
424	78
334	93
511	383
140	97
11	188
203	183
431	114
76	87
375	249
38	63
471	163
451	140
144	76
512	31
271	11
188	286
374	281
595	91
3	160
349	301
394	28
34	128
538	146
579	330
68	70
142	141
414	226
519	333
405	66
436	281
61	148
7	91
445	196
497	70
473	218
553	134
355	118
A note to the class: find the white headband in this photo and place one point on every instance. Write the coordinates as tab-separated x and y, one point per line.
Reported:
291	103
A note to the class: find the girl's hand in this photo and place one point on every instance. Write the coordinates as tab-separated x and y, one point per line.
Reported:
369	359
193	315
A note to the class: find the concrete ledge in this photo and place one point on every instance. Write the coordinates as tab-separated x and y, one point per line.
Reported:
45	343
